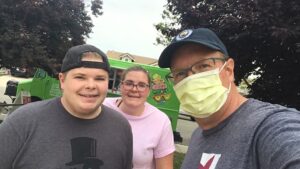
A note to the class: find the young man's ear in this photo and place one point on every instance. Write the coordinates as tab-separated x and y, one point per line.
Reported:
61	78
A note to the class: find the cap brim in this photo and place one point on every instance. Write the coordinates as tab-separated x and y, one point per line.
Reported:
165	57
164	60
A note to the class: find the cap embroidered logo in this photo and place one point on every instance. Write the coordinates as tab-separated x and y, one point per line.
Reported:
184	34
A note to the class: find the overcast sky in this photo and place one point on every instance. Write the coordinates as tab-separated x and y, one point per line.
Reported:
128	27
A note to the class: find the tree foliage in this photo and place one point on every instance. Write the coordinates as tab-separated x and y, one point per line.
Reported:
37	33
261	35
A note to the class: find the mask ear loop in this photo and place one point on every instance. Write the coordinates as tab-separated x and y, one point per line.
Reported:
223	66
229	88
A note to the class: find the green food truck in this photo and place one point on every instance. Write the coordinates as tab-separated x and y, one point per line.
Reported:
42	86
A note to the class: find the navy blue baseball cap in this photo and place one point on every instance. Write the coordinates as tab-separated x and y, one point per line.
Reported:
73	58
201	36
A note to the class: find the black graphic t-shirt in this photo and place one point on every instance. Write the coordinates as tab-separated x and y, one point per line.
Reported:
43	135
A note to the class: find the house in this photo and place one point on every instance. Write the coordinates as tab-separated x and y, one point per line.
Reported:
131	58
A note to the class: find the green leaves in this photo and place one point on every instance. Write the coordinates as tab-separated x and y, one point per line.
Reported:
38	33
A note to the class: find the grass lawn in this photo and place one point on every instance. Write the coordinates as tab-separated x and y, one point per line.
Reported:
178	158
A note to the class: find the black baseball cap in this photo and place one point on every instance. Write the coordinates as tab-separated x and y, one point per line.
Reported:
73	58
201	36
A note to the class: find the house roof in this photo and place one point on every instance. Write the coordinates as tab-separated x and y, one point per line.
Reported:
134	58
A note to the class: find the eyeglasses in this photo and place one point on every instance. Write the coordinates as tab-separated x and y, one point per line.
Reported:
200	66
129	85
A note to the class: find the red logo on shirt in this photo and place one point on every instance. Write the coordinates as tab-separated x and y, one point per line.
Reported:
208	163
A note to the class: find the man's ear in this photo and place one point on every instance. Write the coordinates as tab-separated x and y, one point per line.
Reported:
61	77
230	69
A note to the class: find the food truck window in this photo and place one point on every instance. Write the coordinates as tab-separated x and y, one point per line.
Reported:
114	80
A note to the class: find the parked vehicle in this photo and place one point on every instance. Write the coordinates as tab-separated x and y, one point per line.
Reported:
22	72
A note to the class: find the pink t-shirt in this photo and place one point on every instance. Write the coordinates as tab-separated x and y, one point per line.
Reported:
152	135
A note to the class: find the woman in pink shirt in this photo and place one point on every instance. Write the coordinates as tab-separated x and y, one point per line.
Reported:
153	143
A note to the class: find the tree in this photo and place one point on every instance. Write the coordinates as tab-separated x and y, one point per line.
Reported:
261	35
37	33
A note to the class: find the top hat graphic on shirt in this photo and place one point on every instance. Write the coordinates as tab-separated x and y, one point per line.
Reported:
84	152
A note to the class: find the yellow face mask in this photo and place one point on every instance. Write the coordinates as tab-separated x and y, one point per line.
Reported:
202	94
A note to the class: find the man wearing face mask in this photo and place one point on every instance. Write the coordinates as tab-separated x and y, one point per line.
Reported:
234	132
